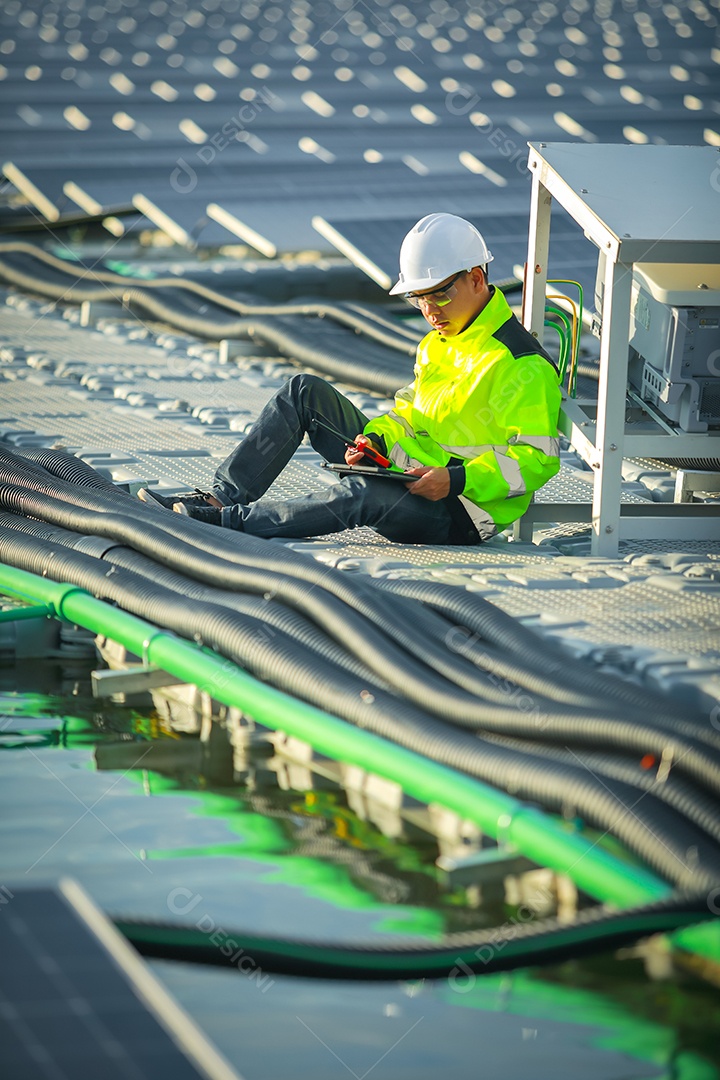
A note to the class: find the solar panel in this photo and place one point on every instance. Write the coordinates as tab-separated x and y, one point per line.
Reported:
77	1001
373	245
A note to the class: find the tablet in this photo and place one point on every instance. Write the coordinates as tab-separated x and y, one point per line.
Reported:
369	470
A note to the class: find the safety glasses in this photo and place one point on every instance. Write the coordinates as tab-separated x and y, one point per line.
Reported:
438	298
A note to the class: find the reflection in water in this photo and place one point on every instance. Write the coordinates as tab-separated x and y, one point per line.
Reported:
353	845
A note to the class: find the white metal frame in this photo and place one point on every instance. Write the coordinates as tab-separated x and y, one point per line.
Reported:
603	441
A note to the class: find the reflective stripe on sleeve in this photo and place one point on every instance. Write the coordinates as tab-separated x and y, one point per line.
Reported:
403	423
469	452
511	474
509	468
403	460
545	443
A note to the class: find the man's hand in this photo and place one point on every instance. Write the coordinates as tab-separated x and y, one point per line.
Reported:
353	456
434	485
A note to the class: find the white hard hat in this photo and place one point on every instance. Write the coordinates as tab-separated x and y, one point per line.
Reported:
437	247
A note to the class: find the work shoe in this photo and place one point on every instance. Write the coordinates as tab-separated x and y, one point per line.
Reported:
211	515
169	502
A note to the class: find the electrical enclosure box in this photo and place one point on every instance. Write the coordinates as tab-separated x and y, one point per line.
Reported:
675	342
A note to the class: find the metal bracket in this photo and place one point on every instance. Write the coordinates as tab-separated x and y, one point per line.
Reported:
135	679
689	480
484	867
92	310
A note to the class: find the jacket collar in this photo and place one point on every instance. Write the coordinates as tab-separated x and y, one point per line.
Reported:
491	318
495	313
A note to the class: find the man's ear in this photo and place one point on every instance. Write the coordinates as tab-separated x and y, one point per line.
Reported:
479	275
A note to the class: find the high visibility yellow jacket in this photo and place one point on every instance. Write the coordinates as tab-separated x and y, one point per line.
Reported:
484	403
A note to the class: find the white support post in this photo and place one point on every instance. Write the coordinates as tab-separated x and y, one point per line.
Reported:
92	310
537	259
611	408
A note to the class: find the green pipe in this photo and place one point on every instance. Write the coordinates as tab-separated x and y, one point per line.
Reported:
36	611
501	816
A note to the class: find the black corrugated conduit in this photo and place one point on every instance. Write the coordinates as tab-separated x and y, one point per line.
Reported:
357	317
410	333
400	670
351	617
272	614
546	694
531	675
346	341
391	617
335	339
491	624
494	638
695	805
327	348
519	943
424	624
265	609
67	467
691	802
656	834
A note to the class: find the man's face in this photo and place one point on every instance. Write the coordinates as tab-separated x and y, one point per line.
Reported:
455	303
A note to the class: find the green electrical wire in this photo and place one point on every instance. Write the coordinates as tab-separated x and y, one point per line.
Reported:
566	336
572	389
562	361
564	333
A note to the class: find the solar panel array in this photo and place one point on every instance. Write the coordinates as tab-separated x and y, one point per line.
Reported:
227	119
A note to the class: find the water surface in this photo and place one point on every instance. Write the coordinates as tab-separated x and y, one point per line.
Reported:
160	823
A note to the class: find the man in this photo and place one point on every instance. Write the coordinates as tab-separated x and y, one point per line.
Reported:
478	424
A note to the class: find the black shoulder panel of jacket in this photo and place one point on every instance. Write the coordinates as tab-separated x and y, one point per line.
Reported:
520	342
